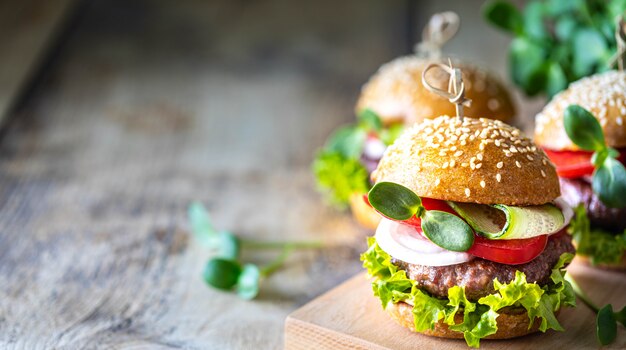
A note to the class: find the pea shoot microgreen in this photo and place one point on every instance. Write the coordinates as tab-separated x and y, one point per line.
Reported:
606	318
400	203
556	42
226	271
609	177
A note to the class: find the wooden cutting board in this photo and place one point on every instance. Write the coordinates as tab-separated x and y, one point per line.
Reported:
350	317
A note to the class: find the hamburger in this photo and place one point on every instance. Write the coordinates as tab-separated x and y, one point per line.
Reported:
599	226
392	98
472	240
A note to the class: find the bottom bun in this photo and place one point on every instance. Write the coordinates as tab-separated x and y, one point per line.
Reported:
510	325
619	266
363	213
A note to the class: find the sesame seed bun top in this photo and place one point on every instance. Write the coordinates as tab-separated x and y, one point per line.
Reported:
604	95
470	160
396	93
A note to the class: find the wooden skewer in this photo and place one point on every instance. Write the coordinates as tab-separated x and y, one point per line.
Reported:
456	87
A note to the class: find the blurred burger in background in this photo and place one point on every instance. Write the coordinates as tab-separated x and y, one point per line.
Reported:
392	98
583	131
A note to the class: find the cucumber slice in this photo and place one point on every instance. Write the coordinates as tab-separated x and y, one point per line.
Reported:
508	222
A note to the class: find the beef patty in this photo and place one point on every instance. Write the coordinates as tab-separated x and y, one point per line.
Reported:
576	191
477	275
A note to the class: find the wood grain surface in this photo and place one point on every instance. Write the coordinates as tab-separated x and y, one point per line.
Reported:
27	29
154	104
350	317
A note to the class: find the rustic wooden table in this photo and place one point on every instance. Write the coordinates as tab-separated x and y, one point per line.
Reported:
149	106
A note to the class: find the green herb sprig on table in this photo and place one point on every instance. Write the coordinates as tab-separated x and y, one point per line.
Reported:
400	203
606	318
609	176
556	42
338	167
226	271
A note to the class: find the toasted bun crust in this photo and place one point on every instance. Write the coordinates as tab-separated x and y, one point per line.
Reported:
470	160
604	95
363	213
509	325
620	266
396	93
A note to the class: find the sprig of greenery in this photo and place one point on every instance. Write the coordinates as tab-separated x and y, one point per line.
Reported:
609	176
606	318
400	203
225	270
556	42
337	166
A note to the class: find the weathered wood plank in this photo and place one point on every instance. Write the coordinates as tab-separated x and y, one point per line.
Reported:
156	104
27	28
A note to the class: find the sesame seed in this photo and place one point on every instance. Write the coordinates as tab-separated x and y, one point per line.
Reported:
452	163
479	165
437	182
543	173
458	153
544	161
498	177
529	157
479	156
482	183
499	165
518	164
467	192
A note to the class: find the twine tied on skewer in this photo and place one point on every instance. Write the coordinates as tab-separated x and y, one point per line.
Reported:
620	39
440	29
456	87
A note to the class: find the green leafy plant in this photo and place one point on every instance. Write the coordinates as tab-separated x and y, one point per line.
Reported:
601	247
337	166
392	285
606	318
609	176
400	203
556	42
225	271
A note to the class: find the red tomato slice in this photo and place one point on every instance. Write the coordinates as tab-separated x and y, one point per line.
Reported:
573	164
508	251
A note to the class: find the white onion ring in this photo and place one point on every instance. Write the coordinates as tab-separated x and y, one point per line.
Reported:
566	209
374	148
404	243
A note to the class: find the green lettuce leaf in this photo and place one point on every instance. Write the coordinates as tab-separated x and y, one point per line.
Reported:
600	246
392	285
339	177
426	309
337	166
